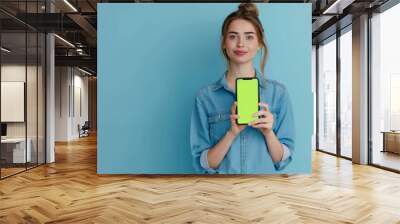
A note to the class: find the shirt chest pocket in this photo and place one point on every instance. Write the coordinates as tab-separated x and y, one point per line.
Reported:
219	124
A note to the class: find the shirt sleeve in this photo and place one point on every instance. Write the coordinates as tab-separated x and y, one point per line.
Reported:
286	158
200	141
285	130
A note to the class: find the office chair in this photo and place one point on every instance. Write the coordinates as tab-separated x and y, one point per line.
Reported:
84	130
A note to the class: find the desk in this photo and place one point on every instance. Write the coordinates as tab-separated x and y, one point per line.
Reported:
17	150
391	141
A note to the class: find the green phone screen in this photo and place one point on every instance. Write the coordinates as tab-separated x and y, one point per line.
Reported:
247	99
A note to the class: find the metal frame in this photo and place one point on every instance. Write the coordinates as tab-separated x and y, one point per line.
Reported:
37	92
0	95
316	98
45	91
26	89
338	98
369	90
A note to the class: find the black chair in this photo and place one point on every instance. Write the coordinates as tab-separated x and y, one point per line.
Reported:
84	130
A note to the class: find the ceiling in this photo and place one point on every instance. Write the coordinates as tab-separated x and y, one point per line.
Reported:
76	22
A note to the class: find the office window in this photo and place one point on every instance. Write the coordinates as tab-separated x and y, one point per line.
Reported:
327	95
346	92
385	88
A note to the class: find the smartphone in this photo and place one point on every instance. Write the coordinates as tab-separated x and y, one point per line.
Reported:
247	98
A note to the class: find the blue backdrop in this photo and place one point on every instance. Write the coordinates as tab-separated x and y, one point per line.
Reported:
153	58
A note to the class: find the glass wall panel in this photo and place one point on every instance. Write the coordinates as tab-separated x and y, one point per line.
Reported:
327	95
385	87
346	93
22	88
14	153
32	83
32	95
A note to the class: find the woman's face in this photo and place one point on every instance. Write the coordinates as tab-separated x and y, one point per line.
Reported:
241	41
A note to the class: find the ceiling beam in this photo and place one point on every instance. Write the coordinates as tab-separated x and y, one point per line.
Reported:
86	26
82	61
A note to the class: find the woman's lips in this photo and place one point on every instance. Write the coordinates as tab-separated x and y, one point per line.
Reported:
240	53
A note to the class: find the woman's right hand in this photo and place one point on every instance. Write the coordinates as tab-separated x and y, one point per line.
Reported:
235	128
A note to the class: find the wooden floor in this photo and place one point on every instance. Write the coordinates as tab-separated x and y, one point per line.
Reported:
387	159
5	172
70	191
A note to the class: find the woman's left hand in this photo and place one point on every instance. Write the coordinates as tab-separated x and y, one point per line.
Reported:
265	121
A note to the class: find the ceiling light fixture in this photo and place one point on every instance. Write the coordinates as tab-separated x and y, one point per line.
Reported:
79	51
5	50
337	7
329	9
70	5
65	41
84	71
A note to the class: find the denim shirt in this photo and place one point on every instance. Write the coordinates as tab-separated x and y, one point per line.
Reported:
248	152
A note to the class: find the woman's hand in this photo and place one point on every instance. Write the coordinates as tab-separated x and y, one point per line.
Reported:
266	120
235	128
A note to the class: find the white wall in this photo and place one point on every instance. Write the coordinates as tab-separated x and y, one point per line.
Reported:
62	81
70	83
80	103
9	73
15	72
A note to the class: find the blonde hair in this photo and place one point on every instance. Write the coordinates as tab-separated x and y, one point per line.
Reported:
249	12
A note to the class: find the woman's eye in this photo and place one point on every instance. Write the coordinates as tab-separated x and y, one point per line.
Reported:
249	37
231	37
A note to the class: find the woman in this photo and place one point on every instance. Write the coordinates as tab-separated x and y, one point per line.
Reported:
218	144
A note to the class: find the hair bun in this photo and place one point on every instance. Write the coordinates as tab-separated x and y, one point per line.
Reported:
248	8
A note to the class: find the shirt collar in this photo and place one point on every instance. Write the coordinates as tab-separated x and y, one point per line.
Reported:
223	83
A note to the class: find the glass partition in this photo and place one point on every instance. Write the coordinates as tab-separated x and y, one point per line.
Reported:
14	153
22	78
385	89
327	95
346	93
